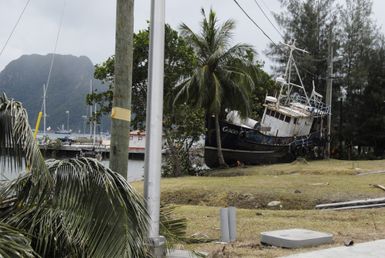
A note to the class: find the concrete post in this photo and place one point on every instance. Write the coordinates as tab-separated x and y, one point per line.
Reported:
232	223
225	233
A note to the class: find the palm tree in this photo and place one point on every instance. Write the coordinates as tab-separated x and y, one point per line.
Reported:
63	208
219	80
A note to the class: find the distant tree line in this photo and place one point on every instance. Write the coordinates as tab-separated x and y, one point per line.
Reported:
358	106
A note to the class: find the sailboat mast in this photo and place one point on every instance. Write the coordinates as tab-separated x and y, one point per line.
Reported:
91	91
44	109
94	120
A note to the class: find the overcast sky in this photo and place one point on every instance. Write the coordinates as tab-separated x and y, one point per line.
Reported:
88	25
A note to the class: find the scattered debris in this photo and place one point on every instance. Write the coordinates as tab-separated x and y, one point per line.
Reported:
274	204
356	204
300	160
373	172
348	242
379	186
319	184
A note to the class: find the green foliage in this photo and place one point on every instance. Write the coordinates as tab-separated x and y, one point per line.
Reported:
357	44
309	24
181	129
222	76
179	60
371	116
219	74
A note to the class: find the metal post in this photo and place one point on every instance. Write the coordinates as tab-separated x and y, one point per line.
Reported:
329	91
152	167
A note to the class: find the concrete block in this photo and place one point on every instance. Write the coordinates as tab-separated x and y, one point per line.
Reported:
295	238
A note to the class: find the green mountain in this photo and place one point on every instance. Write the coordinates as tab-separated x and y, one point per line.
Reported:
23	80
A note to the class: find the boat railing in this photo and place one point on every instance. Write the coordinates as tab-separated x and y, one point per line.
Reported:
315	106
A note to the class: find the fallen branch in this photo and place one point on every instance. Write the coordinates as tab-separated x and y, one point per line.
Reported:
379	186
374	172
356	204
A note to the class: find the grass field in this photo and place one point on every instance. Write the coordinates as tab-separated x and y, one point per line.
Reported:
299	186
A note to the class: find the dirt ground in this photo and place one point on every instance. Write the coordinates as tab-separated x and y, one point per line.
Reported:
298	187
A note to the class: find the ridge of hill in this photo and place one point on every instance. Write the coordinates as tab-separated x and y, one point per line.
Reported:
23	80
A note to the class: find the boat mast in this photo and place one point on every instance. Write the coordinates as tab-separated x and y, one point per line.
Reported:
93	124
287	77
91	91
44	109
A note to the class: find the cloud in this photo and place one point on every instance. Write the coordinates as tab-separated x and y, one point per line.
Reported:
89	25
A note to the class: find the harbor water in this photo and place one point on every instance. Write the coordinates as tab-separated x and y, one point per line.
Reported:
135	171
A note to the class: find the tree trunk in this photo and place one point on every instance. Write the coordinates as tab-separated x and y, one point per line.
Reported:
174	158
221	160
121	107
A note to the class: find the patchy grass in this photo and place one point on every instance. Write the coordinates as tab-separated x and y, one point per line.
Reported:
358	225
299	186
296	185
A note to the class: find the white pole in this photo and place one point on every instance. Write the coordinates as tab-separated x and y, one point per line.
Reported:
68	120
91	91
152	167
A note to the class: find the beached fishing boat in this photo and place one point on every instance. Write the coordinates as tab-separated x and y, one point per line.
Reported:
291	126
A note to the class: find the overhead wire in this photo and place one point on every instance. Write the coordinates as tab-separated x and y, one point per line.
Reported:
14	27
252	20
264	14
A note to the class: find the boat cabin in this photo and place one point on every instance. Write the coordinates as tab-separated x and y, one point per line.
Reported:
286	121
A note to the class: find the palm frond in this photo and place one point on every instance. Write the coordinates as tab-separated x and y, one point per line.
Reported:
90	211
13	243
18	148
173	229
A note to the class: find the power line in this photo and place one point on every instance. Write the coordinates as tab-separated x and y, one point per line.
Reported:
14	27
251	19
263	12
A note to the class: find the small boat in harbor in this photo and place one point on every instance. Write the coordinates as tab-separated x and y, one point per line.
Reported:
291	126
63	131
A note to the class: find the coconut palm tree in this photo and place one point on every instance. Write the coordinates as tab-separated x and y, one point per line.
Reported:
63	208
219	80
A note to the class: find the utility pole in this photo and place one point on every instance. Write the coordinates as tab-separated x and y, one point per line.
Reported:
329	89
153	156
121	106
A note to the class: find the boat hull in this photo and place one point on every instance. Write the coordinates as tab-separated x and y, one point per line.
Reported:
250	146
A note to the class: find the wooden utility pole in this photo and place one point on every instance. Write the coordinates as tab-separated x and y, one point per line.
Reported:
121	106
329	89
